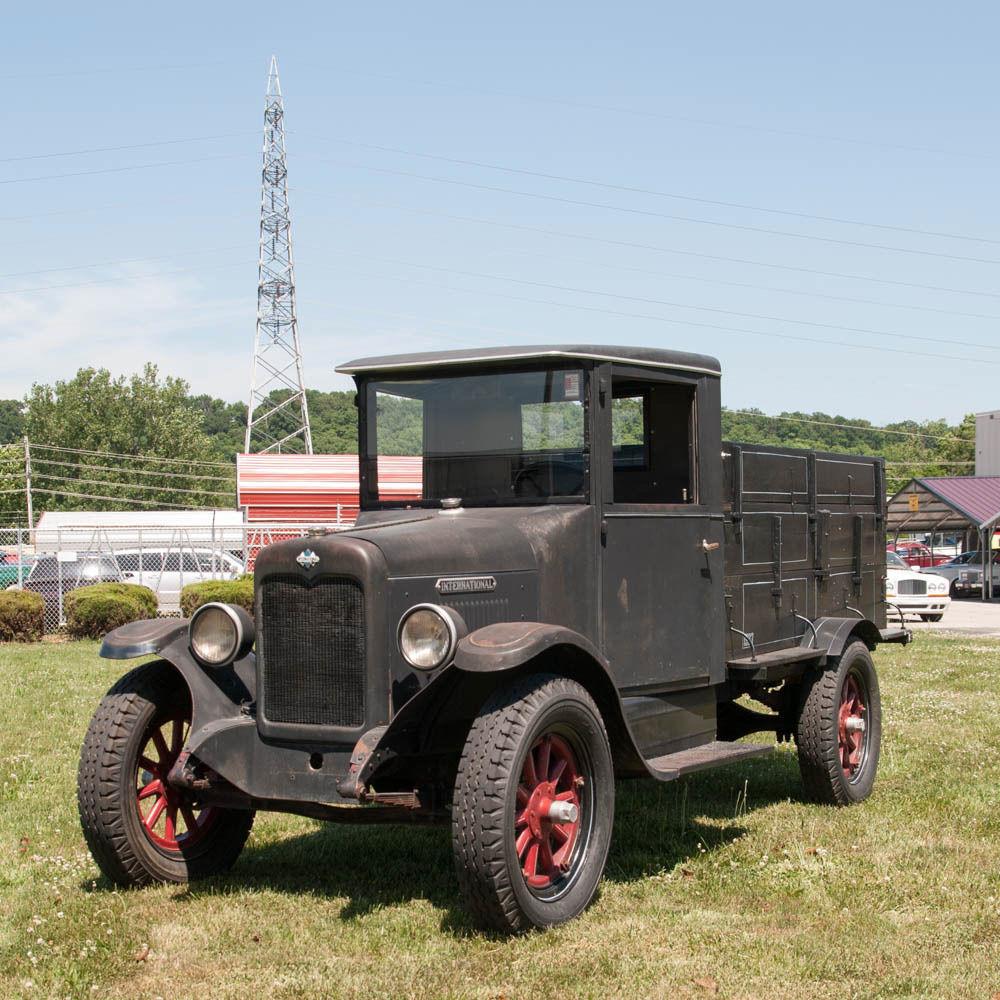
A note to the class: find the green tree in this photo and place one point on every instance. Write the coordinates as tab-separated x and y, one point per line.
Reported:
11	421
141	417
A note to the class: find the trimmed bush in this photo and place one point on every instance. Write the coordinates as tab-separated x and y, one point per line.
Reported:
93	611
239	592
22	616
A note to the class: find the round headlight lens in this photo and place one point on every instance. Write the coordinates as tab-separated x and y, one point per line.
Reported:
426	637
215	634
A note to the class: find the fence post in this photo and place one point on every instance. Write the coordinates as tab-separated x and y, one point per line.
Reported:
20	558
27	482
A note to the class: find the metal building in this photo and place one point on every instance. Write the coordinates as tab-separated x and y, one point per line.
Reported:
988	443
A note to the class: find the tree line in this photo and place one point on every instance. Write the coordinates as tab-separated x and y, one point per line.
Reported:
183	446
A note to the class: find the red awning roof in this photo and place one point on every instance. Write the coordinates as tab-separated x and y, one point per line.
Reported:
946	502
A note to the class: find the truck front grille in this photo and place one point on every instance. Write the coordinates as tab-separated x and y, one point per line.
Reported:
311	651
912	587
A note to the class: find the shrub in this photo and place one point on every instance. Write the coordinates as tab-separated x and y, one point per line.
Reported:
239	592
22	616
93	611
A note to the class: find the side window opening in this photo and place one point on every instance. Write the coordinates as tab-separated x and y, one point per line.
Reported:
652	440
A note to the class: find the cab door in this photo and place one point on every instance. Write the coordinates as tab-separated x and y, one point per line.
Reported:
663	611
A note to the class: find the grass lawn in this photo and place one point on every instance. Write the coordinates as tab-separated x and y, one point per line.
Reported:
721	885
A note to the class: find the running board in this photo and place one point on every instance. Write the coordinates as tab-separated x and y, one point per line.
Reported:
676	765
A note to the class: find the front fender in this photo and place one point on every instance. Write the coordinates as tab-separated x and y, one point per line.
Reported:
510	646
216	693
834	634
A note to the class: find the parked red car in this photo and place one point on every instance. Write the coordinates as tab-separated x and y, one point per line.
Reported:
917	554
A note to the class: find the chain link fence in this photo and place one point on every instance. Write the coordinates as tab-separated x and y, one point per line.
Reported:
52	562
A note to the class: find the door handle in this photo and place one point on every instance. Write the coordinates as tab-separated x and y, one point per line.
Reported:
707	546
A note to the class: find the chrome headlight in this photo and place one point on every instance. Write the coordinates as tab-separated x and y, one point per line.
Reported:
220	634
428	635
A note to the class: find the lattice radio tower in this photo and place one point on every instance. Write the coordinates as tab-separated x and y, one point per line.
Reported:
277	413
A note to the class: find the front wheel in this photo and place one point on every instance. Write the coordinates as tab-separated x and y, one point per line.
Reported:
932	618
839	732
534	805
138	827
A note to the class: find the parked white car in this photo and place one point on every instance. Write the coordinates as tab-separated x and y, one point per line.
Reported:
168	571
924	594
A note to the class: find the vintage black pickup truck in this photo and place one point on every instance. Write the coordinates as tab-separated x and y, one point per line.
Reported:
584	585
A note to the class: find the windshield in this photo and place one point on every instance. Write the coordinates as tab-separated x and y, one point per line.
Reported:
490	439
891	559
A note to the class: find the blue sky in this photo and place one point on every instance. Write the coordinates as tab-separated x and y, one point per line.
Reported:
877	114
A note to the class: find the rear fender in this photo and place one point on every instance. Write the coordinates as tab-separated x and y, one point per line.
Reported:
216	692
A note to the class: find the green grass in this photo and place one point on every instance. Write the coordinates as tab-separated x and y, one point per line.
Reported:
721	885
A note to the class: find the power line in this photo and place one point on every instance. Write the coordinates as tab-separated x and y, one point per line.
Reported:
135	458
118	170
628	244
116	263
769	288
580	203
143	503
123	281
632	189
146	487
116	149
665	116
672	304
131	472
855	427
687	322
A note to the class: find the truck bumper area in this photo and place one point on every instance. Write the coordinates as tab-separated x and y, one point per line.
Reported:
228	763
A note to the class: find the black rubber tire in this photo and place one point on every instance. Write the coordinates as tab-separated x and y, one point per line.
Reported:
953	590
932	618
106	789
817	735
485	801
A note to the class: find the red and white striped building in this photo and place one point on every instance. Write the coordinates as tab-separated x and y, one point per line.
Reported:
317	488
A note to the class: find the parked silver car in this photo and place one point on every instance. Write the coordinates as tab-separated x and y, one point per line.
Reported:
964	573
168	571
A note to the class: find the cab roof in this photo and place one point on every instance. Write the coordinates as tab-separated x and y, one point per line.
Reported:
649	357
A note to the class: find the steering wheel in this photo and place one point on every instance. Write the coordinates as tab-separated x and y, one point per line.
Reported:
567	479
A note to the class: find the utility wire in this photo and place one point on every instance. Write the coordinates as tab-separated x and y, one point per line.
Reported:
125	281
135	145
633	189
669	250
135	458
94	496
667	302
686	119
119	170
124	260
687	322
147	487
750	413
854	427
648	213
132	472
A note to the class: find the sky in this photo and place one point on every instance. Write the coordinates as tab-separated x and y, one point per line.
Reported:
807	192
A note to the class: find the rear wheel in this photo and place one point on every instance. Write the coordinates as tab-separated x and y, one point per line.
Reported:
138	827
839	731
932	618
534	805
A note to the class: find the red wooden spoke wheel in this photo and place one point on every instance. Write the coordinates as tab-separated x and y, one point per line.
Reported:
852	725
548	818
168	817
